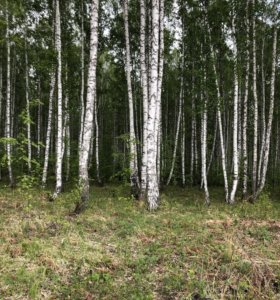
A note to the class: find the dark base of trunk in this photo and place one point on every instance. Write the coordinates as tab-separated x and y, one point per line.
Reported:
135	192
83	203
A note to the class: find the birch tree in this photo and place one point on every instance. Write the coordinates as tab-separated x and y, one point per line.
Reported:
256	112
219	114
144	79
178	120
8	101
59	141
152	126
270	114
49	128
82	104
132	137
28	123
89	110
235	114
245	109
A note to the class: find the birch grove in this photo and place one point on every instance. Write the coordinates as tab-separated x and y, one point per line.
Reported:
144	94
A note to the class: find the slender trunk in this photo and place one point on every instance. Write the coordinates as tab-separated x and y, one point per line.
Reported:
39	122
192	133
255	143
204	149
89	112
82	101
263	119
178	121
132	138
67	128
183	146
213	147
219	114
270	115
29	153
8	101
235	120
245	110
97	143
49	128
160	77
59	141
153	188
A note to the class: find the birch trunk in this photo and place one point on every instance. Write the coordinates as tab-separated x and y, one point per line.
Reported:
213	147
82	100
245	110
67	129
132	138
219	115
255	143
29	153
263	119
192	134
270	115
49	128
39	122
160	77
8	101
59	141
89	112
204	149
153	188
97	143
178	121
235	120
183	146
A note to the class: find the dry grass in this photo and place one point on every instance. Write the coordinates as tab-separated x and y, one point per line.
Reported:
118	250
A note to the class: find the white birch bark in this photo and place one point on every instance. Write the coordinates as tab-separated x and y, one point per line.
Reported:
160	77
28	125
97	142
178	121
39	122
153	188
270	114
245	110
263	118
204	149
67	141
49	128
219	115
59	141
213	147
255	94
235	119
89	112
183	146
8	101
82	100
192	135
132	138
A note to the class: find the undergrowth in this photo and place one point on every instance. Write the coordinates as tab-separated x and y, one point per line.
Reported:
119	250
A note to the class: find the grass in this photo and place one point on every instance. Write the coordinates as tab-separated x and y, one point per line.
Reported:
119	250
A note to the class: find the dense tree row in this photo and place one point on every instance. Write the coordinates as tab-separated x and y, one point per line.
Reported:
150	92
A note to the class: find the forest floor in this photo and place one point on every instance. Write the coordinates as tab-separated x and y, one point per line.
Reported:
119	250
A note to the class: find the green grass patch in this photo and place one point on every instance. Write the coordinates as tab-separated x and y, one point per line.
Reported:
117	249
